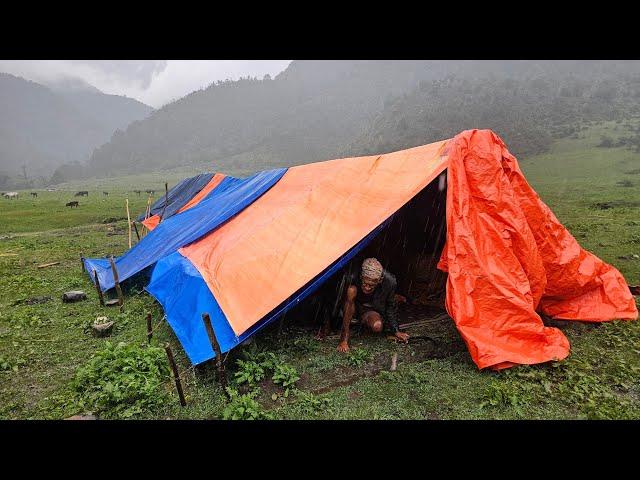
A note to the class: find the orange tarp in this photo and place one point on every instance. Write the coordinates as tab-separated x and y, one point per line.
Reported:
152	221
304	223
508	256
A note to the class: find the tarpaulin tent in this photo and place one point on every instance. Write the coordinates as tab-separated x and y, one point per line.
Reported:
245	251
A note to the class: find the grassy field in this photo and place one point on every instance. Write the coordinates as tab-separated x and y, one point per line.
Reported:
52	367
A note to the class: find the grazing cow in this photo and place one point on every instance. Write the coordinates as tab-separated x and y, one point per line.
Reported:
73	204
34	194
11	195
83	193
137	191
105	193
150	192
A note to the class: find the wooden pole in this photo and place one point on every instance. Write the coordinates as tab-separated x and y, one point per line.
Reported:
82	261
166	200
128	220
117	282
100	296
136	227
148	211
222	377
176	375
149	330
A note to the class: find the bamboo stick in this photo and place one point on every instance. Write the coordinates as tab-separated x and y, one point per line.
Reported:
45	265
128	220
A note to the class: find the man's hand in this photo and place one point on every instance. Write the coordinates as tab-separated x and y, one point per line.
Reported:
343	347
403	337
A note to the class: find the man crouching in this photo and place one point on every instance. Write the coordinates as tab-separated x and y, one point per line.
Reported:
371	297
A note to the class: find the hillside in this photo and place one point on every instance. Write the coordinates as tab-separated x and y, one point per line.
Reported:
528	109
316	110
41	128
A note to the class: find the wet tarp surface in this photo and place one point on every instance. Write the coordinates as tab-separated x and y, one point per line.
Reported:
152	221
508	256
225	201
179	195
308	220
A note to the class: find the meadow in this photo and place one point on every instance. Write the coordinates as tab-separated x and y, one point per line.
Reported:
52	367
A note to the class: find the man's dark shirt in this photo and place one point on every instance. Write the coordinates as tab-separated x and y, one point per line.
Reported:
382	299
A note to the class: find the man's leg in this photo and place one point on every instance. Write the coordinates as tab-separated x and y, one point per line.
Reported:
373	321
348	310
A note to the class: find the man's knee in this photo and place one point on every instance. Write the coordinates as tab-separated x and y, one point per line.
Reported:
373	321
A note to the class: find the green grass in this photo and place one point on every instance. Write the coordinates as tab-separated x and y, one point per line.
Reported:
44	346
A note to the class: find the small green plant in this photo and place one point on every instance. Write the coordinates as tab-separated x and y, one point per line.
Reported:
243	407
5	365
121	381
249	372
306	344
310	405
285	375
503	394
358	357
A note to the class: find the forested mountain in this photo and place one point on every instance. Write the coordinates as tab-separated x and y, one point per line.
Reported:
528	105
306	113
42	128
316	110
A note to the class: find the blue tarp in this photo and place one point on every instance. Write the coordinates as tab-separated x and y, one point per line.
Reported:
185	296
226	200
179	195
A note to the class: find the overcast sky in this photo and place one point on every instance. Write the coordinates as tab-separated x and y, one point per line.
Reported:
154	82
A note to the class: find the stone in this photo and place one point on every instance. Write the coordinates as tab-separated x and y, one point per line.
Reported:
102	327
74	296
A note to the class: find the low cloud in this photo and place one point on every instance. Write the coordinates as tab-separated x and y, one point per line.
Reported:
154	82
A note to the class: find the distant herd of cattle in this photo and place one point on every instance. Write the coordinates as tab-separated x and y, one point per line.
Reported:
75	203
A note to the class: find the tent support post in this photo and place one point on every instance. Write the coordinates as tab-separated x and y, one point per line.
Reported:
176	375
100	296
166	201
82	261
222	377
149	330
136	229
117	282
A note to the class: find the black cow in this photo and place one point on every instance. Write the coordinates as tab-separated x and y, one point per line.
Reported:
150	192
137	191
83	193
34	194
105	193
72	204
